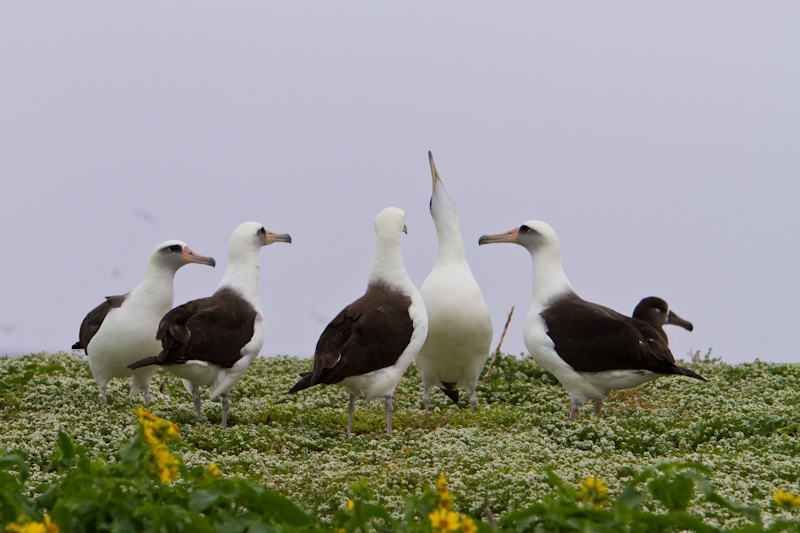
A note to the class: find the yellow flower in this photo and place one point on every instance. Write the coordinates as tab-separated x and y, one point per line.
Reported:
445	499
468	525
594	490
156	429
350	504
441	485
213	470
444	520
785	500
25	525
164	464
51	527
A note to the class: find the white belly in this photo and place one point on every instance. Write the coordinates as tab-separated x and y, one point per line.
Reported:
459	328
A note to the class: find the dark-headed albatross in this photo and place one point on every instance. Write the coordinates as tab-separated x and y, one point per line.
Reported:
459	324
211	341
589	348
369	345
122	329
656	312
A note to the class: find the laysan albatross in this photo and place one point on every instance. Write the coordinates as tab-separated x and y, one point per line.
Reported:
211	341
656	312
589	348
459	324
123	328
369	345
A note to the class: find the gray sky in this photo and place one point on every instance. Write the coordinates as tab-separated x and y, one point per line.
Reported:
660	140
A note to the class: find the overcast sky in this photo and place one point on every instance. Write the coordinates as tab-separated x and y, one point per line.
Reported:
661	141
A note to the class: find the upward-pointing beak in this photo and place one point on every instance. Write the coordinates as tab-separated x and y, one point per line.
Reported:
190	257
434	172
509	236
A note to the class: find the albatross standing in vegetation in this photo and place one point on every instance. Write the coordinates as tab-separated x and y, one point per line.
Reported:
589	348
459	324
122	329
211	341
369	345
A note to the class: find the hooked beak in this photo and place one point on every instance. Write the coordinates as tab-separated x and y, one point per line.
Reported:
509	236
190	257
675	320
278	237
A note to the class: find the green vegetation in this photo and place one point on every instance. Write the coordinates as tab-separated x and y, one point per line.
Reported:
672	455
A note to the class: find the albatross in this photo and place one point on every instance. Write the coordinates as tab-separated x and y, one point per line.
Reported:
123	328
656	312
589	348
211	341
369	345
459	324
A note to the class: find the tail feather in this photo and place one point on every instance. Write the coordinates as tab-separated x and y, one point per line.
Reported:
77	346
147	361
686	372
304	383
450	391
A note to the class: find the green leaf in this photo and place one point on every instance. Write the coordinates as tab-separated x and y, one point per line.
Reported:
13	460
674	494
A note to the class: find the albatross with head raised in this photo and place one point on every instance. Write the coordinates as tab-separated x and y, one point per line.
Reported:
122	329
369	345
459	324
211	341
589	348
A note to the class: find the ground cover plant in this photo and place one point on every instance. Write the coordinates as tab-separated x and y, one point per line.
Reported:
671	455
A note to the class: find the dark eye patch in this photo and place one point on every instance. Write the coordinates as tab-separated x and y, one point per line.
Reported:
175	248
525	229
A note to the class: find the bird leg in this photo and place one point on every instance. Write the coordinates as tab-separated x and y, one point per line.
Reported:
225	405
196	399
350	410
389	415
147	396
598	404
103	395
573	411
426	399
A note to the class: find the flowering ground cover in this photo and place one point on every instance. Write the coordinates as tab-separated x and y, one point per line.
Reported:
740	432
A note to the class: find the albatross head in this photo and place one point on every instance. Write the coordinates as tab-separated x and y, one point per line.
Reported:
249	237
171	255
540	240
534	235
389	224
656	312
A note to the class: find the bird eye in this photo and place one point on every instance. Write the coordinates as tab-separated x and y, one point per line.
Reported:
524	229
175	248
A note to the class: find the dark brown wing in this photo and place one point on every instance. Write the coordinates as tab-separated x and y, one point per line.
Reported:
593	338
213	329
369	334
91	324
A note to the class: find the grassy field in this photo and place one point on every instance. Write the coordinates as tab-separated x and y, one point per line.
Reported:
744	425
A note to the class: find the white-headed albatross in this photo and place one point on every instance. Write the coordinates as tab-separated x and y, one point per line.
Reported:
122	329
369	345
211	341
656	312
589	348
459	324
